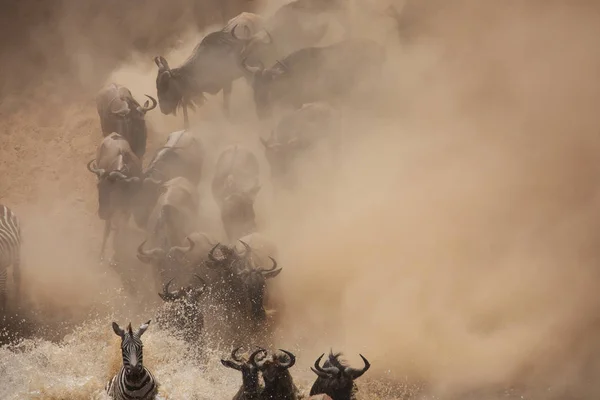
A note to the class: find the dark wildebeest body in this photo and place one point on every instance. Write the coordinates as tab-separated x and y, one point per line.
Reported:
234	188
297	133
242	286
119	112
212	67
184	312
315	74
181	156
118	170
251	388
294	26
279	384
171	221
336	379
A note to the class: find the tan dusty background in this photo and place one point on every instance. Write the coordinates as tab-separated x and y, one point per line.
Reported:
457	242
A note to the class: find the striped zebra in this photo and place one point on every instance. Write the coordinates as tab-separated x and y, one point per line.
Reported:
133	381
10	251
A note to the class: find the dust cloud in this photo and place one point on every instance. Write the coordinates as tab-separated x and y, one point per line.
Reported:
453	242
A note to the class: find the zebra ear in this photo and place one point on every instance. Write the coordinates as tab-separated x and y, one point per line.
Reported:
143	328
118	330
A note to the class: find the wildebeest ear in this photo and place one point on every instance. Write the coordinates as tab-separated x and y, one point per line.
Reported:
118	330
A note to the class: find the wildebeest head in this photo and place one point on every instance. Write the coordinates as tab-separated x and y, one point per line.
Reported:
277	377
167	261
253	279
237	210
114	187
131	348
249	369
335	378
168	87
188	293
263	81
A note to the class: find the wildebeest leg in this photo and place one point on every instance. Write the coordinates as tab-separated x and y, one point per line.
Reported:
227	97
186	121
104	238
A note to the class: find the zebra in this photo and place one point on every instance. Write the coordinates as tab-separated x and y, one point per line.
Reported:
133	381
10	251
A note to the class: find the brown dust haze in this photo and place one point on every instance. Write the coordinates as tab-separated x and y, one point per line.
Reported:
455	240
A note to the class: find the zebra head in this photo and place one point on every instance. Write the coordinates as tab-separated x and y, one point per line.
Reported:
131	348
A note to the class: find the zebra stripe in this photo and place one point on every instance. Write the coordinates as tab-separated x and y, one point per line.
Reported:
127	383
10	250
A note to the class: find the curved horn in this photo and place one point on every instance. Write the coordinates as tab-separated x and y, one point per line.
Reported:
211	256
320	374
166	295
292	361
148	256
329	371
357	373
199	290
183	249
269	36
273	268
248	252
255	354
152	107
233	32
234	356
153	181
252	70
97	171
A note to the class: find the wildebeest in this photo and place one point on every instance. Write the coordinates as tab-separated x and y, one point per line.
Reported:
313	74
119	112
181	156
185	314
171	221
335	378
211	68
234	188
244	281
118	170
279	384
294	26
250	388
297	132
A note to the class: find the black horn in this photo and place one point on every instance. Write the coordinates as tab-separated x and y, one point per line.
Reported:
147	107
357	373
292	360
166	295
149	256
94	170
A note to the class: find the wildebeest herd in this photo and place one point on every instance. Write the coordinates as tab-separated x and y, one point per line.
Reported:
280	59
